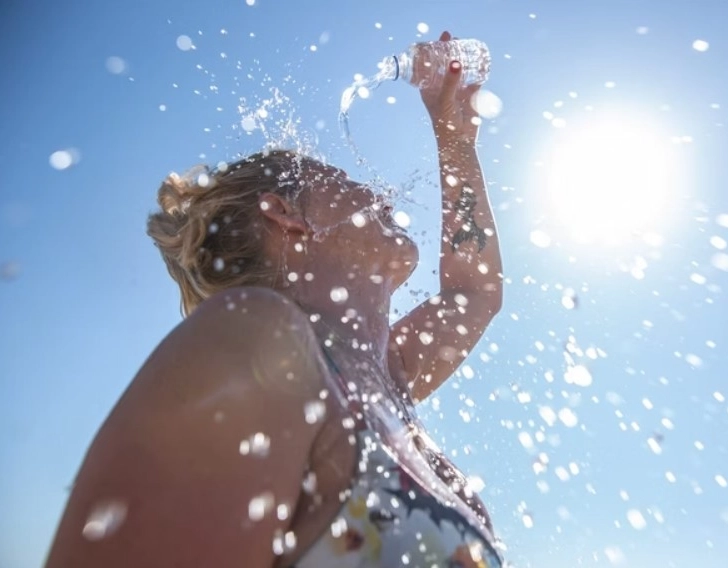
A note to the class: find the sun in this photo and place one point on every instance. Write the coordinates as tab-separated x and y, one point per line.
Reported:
610	179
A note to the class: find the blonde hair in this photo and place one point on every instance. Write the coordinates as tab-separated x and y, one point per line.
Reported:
206	229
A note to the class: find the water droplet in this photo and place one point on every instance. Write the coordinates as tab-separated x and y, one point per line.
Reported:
720	480
487	104
314	411
720	261
718	242
64	159
527	520
248	123
283	542
540	238
569	299
568	417
115	65
423	28
614	555
9	270
425	337
402	219
391	100
258	445
636	519
250	2
184	43
260	506
359	220
643	30
693	360
578	375
104	520
548	415
526	440
339	294
701	45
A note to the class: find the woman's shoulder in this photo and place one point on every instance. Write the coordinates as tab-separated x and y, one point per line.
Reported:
254	330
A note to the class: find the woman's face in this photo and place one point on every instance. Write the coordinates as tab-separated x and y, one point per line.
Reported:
355	222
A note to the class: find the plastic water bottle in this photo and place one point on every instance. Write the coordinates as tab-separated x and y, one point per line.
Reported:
425	64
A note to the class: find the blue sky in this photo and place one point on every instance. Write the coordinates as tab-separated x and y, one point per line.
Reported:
637	459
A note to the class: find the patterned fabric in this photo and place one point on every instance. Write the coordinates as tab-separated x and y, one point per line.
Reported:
417	516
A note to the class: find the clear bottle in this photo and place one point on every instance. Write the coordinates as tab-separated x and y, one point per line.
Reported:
424	64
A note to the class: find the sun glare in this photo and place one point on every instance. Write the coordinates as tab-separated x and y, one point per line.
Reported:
609	180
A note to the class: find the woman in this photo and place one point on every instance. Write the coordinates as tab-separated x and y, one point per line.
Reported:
275	425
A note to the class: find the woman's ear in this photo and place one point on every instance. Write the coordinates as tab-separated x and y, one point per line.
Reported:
282	212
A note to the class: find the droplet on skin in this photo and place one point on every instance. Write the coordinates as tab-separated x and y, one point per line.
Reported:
104	520
339	294
260	506
314	411
425	337
283	542
258	445
359	220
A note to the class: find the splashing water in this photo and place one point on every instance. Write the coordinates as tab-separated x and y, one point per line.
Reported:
361	89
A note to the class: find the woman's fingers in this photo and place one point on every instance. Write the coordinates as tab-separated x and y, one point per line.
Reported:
450	83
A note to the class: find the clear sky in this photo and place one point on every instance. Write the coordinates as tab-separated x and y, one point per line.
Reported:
594	410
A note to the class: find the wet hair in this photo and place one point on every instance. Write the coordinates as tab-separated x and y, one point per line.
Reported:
208	229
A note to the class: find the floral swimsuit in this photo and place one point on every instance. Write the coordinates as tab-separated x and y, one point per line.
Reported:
418	516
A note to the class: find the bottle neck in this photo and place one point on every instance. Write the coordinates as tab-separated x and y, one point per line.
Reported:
403	64
396	67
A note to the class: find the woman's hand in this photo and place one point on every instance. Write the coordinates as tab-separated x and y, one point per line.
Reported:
452	107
